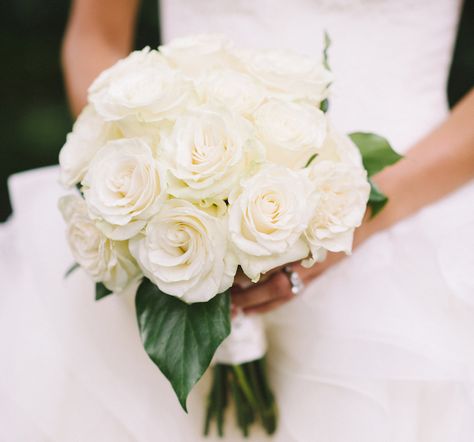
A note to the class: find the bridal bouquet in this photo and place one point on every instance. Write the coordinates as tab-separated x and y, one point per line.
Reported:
199	161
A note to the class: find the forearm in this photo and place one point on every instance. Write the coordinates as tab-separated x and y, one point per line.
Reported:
97	35
83	59
437	165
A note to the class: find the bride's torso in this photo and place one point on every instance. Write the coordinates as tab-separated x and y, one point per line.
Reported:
390	57
365	342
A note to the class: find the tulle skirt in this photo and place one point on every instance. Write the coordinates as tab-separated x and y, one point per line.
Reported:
379	348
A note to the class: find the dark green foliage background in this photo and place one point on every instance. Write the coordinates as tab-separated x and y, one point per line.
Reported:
34	117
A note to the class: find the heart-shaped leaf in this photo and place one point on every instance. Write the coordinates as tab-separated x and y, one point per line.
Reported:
181	338
375	150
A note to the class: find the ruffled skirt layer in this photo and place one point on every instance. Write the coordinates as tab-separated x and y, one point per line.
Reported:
379	348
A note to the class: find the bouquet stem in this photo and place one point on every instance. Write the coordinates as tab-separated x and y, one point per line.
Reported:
247	385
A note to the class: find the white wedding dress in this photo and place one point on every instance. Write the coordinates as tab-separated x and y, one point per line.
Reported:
378	349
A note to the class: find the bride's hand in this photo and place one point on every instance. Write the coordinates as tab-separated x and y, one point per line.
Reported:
274	289
446	153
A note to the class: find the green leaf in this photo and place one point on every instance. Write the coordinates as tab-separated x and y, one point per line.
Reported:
375	150
377	199
79	189
310	160
327	44
101	291
181	338
71	269
324	105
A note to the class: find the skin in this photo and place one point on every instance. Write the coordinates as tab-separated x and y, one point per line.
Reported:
101	32
435	166
98	33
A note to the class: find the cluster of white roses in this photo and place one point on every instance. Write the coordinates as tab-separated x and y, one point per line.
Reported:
191	161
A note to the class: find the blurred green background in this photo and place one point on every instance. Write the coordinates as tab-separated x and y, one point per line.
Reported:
34	116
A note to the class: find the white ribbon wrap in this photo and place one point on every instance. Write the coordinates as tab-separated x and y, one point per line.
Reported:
246	342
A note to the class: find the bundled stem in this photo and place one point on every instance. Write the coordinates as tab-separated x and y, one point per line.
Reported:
248	387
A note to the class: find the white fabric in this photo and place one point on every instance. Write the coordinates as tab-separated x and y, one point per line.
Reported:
378	349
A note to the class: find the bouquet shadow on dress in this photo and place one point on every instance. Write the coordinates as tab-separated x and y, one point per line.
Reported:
194	161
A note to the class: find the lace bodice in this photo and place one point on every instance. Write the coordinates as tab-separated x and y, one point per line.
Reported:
390	57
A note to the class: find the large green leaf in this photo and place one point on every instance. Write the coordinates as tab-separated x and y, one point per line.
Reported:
375	150
377	199
101	291
181	338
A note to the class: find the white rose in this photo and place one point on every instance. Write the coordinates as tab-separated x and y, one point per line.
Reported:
198	53
339	147
208	151
89	133
123	187
183	250
235	90
289	74
291	132
149	131
340	194
104	260
267	219
141	86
